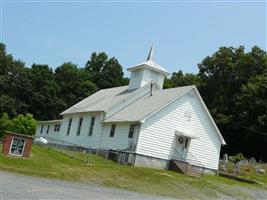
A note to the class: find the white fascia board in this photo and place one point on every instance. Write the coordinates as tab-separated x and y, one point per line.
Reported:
148	67
209	115
82	113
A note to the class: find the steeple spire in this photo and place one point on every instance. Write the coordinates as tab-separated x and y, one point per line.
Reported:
150	56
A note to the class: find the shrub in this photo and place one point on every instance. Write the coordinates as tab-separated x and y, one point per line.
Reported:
238	157
19	124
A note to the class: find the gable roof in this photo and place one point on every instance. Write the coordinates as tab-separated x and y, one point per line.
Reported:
104	99
147	105
139	110
99	101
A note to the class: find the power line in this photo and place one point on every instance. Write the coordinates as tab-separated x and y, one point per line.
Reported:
248	129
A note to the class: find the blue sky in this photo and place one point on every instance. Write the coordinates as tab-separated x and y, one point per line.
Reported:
183	33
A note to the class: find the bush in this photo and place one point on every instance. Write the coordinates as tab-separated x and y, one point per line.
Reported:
5	124
20	124
238	157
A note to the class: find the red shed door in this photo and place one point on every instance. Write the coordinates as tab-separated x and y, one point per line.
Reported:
17	146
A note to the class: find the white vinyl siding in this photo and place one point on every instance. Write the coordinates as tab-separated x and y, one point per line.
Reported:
84	139
157	133
120	139
136	79
51	132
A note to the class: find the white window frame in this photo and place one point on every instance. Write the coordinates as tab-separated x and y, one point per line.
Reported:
42	127
80	124
24	144
69	126
132	127
48	130
111	130
91	127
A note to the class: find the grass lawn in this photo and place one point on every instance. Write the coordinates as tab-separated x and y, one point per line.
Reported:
46	162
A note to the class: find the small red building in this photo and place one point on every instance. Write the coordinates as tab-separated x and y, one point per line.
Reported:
16	144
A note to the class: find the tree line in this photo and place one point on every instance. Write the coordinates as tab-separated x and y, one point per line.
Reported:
232	82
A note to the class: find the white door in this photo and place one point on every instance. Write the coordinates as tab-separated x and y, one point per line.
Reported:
181	147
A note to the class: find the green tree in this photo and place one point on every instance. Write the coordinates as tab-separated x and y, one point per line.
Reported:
14	84
75	84
7	104
5	124
233	85
24	124
44	93
19	124
105	72
180	79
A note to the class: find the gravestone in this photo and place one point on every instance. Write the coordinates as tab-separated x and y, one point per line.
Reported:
252	160
225	158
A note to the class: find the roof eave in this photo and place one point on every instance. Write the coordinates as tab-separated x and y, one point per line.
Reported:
83	112
50	121
149	67
121	121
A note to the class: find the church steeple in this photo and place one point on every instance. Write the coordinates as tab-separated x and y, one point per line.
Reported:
147	71
151	54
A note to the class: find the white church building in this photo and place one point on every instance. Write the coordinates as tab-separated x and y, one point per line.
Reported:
149	125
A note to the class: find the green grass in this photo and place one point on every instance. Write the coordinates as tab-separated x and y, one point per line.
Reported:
46	162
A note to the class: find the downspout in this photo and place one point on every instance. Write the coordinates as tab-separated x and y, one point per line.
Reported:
102	116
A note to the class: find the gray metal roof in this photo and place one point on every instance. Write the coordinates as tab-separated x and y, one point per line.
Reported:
146	106
101	100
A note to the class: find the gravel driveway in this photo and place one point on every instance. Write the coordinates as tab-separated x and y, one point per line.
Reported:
14	186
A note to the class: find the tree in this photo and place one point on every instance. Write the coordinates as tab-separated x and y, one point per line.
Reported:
7	104
44	93
233	85
104	72
180	79
20	124
24	124
14	84
75	84
5	124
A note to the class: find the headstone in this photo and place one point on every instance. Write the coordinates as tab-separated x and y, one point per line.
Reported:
225	158
244	162
237	168
252	160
